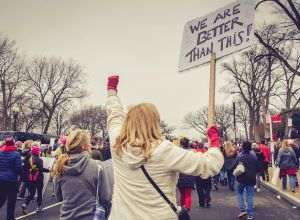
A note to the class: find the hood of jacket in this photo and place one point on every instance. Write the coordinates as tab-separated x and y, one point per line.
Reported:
76	164
134	158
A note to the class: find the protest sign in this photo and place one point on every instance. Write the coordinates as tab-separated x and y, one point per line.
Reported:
222	32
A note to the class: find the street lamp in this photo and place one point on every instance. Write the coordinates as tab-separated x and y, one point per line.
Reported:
15	112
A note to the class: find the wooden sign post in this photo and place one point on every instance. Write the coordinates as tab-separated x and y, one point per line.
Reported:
212	91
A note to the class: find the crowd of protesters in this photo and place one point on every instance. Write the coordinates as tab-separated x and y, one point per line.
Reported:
135	172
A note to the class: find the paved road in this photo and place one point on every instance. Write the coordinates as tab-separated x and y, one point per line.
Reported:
224	207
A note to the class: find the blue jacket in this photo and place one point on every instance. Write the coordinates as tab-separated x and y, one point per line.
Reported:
10	166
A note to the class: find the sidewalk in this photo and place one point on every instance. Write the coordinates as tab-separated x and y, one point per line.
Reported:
293	198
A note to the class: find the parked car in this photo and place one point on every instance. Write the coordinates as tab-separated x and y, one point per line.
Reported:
23	136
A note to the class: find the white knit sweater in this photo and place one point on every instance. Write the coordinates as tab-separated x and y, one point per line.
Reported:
134	198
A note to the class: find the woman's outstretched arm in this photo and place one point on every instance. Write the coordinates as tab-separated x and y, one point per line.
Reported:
114	108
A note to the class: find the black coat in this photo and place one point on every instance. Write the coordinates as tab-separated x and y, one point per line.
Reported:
186	181
260	161
230	163
251	169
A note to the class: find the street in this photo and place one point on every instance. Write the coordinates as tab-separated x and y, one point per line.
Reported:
224	206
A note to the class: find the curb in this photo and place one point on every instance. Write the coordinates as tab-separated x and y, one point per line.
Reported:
290	199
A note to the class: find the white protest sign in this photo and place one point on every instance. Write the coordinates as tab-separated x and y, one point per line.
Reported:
223	32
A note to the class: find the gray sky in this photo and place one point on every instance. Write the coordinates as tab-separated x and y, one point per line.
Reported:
139	40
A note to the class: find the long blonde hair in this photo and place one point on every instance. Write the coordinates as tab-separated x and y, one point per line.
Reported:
141	128
77	141
285	145
229	149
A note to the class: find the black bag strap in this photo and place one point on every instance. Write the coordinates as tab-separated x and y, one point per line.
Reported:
156	187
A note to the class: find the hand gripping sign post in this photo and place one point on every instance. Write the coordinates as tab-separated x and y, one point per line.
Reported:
206	39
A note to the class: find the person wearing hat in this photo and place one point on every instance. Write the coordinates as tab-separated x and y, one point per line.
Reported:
35	178
25	155
10	169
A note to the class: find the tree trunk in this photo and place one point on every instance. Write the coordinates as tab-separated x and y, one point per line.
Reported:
48	122
251	125
246	130
4	107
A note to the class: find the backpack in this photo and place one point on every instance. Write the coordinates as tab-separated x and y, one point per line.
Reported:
33	172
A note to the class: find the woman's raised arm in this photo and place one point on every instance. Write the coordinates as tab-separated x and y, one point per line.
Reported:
114	108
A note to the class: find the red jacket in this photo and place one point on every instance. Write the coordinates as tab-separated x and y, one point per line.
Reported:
266	151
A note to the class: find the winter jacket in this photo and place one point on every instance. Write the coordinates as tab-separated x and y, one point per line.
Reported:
287	158
251	168
38	162
229	163
25	165
77	187
297	152
185	181
10	164
134	198
260	160
266	151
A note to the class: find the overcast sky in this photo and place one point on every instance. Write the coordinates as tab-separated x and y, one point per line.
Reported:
139	40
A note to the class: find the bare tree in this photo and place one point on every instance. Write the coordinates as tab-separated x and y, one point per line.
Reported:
242	116
90	118
199	122
253	82
53	83
288	30
60	119
11	80
30	114
166	129
289	85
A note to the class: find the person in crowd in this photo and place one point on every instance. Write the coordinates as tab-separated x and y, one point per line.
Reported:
246	181
26	154
105	150
230	157
61	149
55	145
266	151
35	178
136	140
10	170
287	162
203	185
277	147
186	183
296	149
19	145
76	170
261	165
95	151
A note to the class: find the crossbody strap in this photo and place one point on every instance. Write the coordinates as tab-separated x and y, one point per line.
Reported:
156	187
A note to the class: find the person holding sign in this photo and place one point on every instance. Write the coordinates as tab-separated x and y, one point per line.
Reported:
146	166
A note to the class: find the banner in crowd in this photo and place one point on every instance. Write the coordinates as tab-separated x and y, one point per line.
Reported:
223	32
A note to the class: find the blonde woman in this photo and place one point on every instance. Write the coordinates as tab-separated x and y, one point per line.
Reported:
76	179
26	154
287	162
136	140
230	155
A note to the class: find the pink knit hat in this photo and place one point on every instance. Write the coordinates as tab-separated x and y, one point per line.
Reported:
35	150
